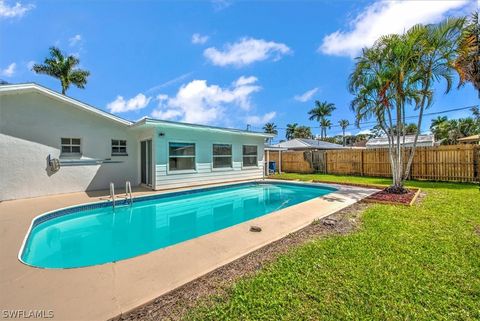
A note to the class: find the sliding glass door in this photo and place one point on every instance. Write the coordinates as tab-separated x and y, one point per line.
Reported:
146	162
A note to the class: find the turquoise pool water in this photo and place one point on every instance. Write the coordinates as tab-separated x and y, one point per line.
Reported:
88	236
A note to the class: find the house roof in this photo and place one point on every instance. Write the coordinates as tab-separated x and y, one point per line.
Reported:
33	87
383	141
304	143
274	148
168	123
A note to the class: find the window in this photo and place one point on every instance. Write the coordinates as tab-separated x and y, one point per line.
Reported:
119	147
250	155
222	156
70	146
181	156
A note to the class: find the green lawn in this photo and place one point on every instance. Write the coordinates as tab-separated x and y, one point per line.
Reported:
405	263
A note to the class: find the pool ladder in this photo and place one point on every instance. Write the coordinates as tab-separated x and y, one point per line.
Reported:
128	193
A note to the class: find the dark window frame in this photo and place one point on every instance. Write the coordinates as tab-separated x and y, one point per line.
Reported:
117	144
70	146
223	156
249	156
193	157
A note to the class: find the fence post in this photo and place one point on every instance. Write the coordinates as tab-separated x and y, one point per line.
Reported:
409	177
362	163
326	162
476	163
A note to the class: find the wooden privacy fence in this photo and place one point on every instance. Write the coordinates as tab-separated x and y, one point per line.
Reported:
442	163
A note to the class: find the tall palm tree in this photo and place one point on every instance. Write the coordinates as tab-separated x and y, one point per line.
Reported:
321	111
384	80
397	72
302	132
63	67
437	51
290	131
325	124
468	62
344	123
270	128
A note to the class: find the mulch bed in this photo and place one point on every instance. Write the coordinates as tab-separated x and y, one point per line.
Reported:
396	199
176	304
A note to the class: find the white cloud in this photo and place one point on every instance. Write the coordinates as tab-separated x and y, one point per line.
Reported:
18	10
385	17
260	120
306	95
169	82
120	105
198	39
246	51
245	81
199	102
219	5
73	41
30	64
340	133
9	71
364	132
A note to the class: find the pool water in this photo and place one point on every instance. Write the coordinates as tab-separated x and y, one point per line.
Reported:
101	235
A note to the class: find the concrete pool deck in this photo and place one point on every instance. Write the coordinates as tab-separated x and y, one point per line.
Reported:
105	291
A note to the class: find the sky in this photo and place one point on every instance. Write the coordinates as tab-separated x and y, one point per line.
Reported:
220	62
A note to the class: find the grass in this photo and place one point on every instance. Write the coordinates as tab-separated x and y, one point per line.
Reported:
405	263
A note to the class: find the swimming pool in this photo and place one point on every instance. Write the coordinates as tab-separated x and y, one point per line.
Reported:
95	233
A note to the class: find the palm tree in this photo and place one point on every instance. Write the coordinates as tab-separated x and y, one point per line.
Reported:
270	128
476	113
290	131
439	127
344	123
437	51
321	111
63	67
468	62
325	124
385	79
400	71
302	132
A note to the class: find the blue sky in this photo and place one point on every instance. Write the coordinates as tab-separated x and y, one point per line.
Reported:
226	63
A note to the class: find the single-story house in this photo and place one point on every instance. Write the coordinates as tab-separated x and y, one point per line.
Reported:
307	144
423	141
51	143
473	139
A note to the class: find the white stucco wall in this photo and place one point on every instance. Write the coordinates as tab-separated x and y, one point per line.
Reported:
31	125
204	173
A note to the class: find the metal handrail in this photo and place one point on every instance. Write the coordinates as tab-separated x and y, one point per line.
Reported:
128	191
112	194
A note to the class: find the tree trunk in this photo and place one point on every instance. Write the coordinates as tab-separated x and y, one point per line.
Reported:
414	146
419	124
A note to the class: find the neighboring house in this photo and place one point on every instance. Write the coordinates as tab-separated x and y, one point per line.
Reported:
423	141
474	139
360	144
307	144
94	148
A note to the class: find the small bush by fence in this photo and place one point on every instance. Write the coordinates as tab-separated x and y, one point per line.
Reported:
442	163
